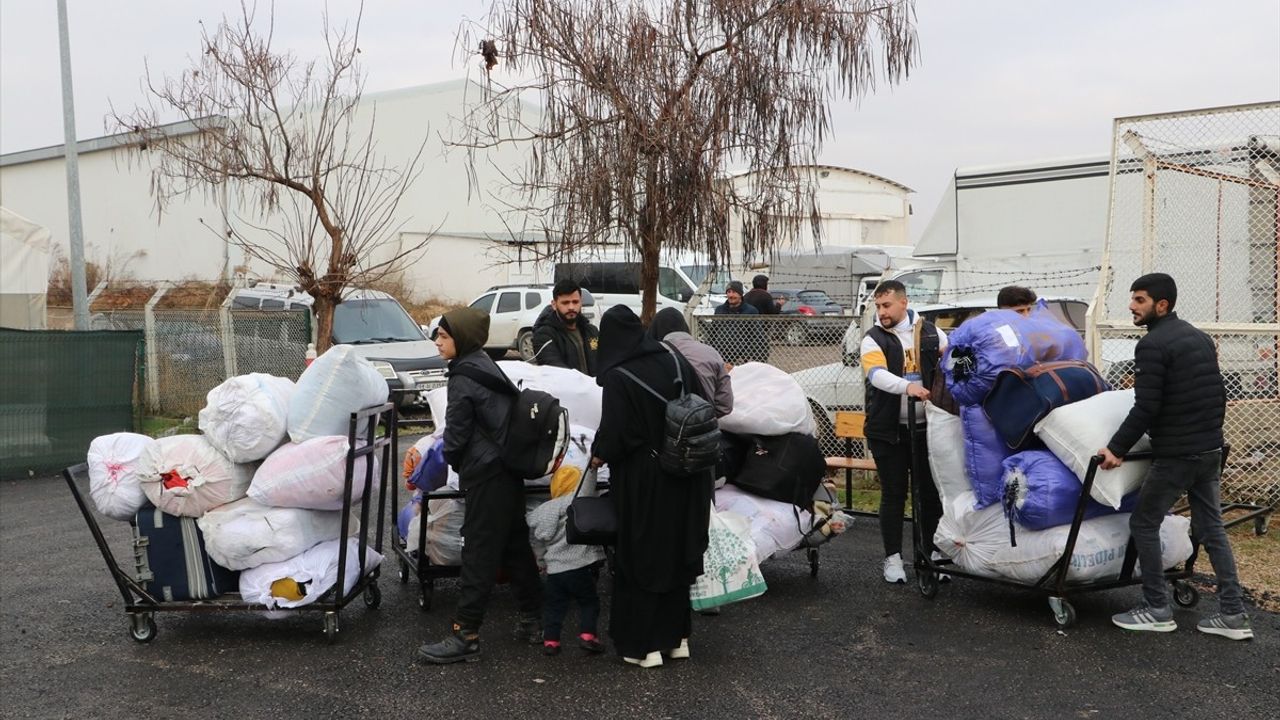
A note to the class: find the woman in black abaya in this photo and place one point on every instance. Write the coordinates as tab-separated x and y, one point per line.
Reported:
662	519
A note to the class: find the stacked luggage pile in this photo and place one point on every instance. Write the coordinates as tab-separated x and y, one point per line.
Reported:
255	503
1010	458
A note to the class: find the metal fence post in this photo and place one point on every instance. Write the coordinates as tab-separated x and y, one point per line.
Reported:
153	354
227	327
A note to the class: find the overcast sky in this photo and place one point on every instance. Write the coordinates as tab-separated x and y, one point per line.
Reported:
997	83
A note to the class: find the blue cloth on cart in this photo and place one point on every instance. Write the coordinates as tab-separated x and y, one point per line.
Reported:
432	471
1021	398
406	514
1041	492
984	452
980	348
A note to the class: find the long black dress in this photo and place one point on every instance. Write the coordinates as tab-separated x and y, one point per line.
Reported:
662	520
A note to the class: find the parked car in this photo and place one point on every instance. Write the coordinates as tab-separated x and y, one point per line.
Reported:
811	305
513	309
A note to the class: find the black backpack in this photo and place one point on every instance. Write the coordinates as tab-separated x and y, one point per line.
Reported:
537	427
691	441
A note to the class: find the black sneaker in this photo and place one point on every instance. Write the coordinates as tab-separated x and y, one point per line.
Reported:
590	643
529	629
460	646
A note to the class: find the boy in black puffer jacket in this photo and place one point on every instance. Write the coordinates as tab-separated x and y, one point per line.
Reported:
494	526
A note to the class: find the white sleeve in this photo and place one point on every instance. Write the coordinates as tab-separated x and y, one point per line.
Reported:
875	368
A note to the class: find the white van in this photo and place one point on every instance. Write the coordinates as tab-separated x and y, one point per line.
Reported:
614	279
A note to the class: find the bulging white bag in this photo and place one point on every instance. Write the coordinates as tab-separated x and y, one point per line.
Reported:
444	532
337	384
310	474
314	571
775	526
246	417
766	401
731	571
185	475
246	533
971	538
1099	550
578	394
114	484
1077	431
946	453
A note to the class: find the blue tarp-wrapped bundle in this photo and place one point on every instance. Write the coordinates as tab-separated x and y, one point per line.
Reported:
998	339
984	453
1041	492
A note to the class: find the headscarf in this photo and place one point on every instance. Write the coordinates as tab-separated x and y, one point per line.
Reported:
468	327
667	321
622	338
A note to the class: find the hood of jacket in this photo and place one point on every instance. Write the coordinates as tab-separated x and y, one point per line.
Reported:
622	337
667	321
468	327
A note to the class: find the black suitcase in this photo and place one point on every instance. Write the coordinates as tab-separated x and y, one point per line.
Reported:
171	560
787	468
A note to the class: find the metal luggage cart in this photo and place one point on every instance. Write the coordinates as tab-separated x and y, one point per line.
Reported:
141	605
1054	584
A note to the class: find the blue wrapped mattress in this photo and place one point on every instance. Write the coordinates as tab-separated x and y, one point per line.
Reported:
998	339
984	453
1041	492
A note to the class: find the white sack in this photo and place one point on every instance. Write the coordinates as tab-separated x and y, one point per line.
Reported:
774	526
317	568
578	394
1077	431
946	453
444	532
114	484
438	402
337	384
199	478
310	474
766	401
246	417
731	565
246	534
1099	550
578	456
970	537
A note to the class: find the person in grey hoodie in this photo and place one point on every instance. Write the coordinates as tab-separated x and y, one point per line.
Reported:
670	327
570	568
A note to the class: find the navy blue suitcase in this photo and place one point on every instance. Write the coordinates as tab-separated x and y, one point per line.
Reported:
171	560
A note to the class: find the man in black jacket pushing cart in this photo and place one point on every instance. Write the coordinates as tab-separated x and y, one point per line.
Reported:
1181	403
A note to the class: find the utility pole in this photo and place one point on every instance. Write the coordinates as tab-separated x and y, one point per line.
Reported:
79	294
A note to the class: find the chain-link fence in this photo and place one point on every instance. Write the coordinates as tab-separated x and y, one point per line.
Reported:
189	352
1195	195
820	352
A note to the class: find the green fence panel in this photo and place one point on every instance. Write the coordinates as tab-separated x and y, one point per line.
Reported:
59	390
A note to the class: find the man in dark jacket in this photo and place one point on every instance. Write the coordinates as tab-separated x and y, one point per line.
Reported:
562	337
1180	402
739	339
494	521
760	298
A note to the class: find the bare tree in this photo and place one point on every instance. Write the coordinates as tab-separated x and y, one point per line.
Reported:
647	104
285	139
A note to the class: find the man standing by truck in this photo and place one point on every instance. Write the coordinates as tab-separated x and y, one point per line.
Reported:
562	337
1180	402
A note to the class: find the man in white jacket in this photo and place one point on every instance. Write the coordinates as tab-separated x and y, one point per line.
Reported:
899	361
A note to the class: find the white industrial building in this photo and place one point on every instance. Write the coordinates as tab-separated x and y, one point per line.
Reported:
471	248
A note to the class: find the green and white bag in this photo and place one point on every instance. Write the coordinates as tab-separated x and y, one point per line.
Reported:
731	572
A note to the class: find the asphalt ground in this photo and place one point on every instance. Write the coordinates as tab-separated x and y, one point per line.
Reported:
842	645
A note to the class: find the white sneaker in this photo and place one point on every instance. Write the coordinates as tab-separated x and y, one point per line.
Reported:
652	660
942	577
682	652
893	572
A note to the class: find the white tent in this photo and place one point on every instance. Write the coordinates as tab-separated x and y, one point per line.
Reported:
24	272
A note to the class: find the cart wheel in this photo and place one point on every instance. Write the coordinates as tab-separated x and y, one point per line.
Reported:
1063	613
404	572
331	626
1185	594
813	562
927	583
142	627
426	593
373	596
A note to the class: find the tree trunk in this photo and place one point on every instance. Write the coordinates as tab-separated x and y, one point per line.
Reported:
324	306
649	248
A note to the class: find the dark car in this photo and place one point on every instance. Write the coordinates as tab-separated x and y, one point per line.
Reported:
807	304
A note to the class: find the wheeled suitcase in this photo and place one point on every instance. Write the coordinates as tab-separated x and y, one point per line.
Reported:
171	560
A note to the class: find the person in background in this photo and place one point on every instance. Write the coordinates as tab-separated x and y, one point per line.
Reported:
1016	298
562	337
662	518
670	327
760	298
1180	402
739	340
900	357
571	569
493	525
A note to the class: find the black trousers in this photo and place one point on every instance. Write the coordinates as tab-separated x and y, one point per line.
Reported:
576	585
893	464
495	535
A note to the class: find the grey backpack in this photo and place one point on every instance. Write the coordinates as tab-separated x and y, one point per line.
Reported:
691	440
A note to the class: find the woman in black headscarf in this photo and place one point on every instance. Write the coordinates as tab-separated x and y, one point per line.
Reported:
662	519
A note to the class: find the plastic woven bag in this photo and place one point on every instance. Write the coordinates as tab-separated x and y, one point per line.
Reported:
731	572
